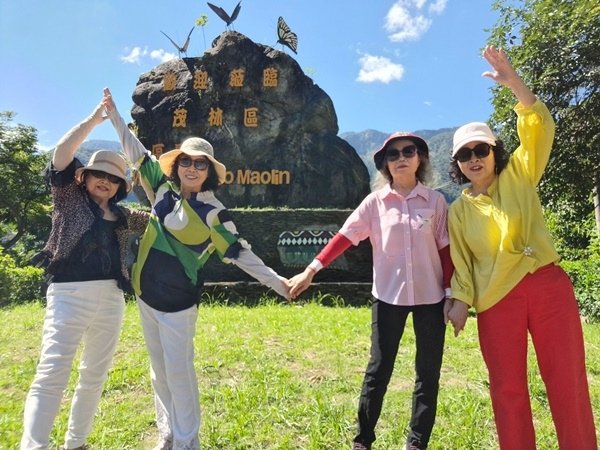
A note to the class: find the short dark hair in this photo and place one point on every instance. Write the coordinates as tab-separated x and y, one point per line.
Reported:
501	158
210	184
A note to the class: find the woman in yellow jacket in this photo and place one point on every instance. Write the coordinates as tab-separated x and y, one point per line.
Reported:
505	268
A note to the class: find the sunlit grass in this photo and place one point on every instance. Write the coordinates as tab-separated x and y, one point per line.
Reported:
276	376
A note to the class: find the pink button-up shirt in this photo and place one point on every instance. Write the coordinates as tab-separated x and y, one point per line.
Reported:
406	234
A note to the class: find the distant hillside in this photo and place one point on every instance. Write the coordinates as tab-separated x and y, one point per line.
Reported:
364	142
439	141
89	147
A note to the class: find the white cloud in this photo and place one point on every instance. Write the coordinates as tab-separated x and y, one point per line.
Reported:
438	6
403	25
162	55
135	55
378	69
427	103
405	21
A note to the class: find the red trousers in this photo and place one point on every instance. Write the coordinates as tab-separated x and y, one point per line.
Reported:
543	304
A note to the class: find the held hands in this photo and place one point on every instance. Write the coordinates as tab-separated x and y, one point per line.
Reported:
457	313
99	114
299	283
107	101
106	106
285	291
448	302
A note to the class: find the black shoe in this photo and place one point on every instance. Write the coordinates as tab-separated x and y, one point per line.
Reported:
359	446
413	446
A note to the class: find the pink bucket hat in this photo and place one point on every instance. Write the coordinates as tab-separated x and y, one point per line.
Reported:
419	142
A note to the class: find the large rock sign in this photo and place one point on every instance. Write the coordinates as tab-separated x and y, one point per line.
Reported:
274	129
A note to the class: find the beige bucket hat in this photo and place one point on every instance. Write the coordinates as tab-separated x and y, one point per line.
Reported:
106	161
194	146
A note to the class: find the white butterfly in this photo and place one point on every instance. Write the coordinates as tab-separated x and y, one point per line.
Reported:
286	36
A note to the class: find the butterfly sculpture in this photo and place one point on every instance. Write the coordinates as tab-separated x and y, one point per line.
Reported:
184	47
286	36
223	15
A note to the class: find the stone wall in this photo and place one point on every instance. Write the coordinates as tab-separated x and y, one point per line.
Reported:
261	228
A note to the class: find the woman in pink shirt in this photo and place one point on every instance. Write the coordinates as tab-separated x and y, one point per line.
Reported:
406	224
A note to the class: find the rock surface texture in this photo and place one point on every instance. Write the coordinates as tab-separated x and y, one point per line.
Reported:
273	128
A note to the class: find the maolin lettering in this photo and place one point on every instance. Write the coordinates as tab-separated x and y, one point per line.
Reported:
247	176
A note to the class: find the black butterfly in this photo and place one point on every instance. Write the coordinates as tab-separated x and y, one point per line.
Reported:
286	36
183	48
223	15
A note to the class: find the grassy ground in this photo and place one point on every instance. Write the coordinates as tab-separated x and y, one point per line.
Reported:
276	377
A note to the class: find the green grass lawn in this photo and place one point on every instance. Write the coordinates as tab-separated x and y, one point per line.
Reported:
277	377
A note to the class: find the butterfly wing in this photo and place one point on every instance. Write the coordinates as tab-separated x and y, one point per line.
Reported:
220	12
179	49
187	41
286	35
236	11
282	29
291	41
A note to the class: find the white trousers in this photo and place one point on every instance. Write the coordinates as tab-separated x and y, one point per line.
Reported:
90	312
170	341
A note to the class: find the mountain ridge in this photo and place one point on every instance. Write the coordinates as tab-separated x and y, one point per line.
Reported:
365	143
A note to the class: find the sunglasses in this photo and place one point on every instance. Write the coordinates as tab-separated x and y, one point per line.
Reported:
480	151
199	164
101	175
392	154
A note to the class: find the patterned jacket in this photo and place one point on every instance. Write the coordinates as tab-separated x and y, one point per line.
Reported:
73	216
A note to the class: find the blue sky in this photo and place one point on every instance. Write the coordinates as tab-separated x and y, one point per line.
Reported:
387	65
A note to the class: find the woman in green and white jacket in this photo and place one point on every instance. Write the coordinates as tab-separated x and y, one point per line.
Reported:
188	224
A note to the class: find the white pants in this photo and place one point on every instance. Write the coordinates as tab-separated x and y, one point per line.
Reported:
88	311
170	342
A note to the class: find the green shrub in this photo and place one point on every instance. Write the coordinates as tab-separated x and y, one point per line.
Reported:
19	284
578	244
586	281
6	266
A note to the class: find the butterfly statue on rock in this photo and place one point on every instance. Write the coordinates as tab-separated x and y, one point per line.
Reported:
223	15
286	36
184	47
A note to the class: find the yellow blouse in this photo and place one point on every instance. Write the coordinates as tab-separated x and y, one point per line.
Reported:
496	239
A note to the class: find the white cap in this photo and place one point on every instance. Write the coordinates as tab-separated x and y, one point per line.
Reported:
474	131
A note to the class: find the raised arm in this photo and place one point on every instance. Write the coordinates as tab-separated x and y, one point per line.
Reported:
505	74
132	147
70	142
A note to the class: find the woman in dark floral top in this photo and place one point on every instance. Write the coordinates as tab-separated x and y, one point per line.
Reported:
86	248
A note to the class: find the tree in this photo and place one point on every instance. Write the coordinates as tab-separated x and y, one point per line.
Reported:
555	45
25	200
201	21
